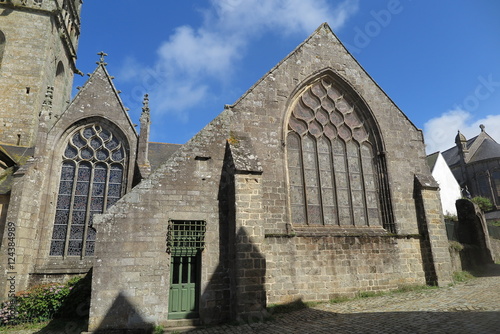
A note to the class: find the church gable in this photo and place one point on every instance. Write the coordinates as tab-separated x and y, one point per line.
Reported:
84	161
319	55
184	190
95	119
98	98
266	112
313	159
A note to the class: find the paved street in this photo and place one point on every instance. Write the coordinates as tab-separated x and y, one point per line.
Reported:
471	307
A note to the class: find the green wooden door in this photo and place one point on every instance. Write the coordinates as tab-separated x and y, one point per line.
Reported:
184	287
185	242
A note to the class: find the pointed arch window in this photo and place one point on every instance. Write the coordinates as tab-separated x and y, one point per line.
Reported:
336	177
92	179
495	182
483	184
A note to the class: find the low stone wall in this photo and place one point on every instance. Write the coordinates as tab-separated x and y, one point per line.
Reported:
38	279
323	268
463	256
495	249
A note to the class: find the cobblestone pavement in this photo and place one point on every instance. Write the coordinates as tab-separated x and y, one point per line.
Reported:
471	307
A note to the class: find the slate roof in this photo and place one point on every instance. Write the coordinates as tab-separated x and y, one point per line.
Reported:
431	160
160	152
18	153
451	155
481	147
14	156
489	149
6	180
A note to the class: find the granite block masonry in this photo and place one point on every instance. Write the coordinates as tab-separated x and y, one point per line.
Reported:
312	185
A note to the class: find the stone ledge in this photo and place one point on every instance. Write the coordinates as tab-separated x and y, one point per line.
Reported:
331	232
341	231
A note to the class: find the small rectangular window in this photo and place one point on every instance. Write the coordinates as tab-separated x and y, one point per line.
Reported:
186	237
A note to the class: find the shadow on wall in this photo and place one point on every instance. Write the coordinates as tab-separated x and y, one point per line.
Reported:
423	230
216	301
75	314
449	316
236	290
472	232
124	312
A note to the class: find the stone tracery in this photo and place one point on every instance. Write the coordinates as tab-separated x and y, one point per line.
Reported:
330	161
91	180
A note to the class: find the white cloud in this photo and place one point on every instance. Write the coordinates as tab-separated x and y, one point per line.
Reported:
180	96
284	16
193	57
440	132
197	52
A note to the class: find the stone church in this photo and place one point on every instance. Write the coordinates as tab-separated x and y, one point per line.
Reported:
310	186
475	163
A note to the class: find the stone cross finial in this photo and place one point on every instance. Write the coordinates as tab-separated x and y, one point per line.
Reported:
145	103
101	60
143	148
145	109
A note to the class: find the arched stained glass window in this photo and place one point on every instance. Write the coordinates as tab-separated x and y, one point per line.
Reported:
483	185
333	167
92	179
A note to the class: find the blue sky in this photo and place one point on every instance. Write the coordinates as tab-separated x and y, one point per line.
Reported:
439	61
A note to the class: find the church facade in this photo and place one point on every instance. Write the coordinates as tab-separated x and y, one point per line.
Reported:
475	163
312	185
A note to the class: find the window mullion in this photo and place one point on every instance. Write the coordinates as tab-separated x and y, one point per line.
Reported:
304	184
334	182
318	177
106	187
88	213
70	213
363	185
348	180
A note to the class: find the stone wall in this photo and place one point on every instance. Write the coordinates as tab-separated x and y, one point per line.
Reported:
28	67
132	264
35	189
495	249
464	257
325	267
233	175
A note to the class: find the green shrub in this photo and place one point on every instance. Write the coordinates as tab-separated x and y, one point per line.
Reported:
77	304
37	304
450	217
483	203
158	330
462	276
368	294
456	246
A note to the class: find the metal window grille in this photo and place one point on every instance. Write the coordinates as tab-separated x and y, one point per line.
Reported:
185	237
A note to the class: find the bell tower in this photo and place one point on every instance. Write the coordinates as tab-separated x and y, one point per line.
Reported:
38	44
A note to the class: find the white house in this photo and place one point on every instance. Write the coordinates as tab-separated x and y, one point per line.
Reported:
448	185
